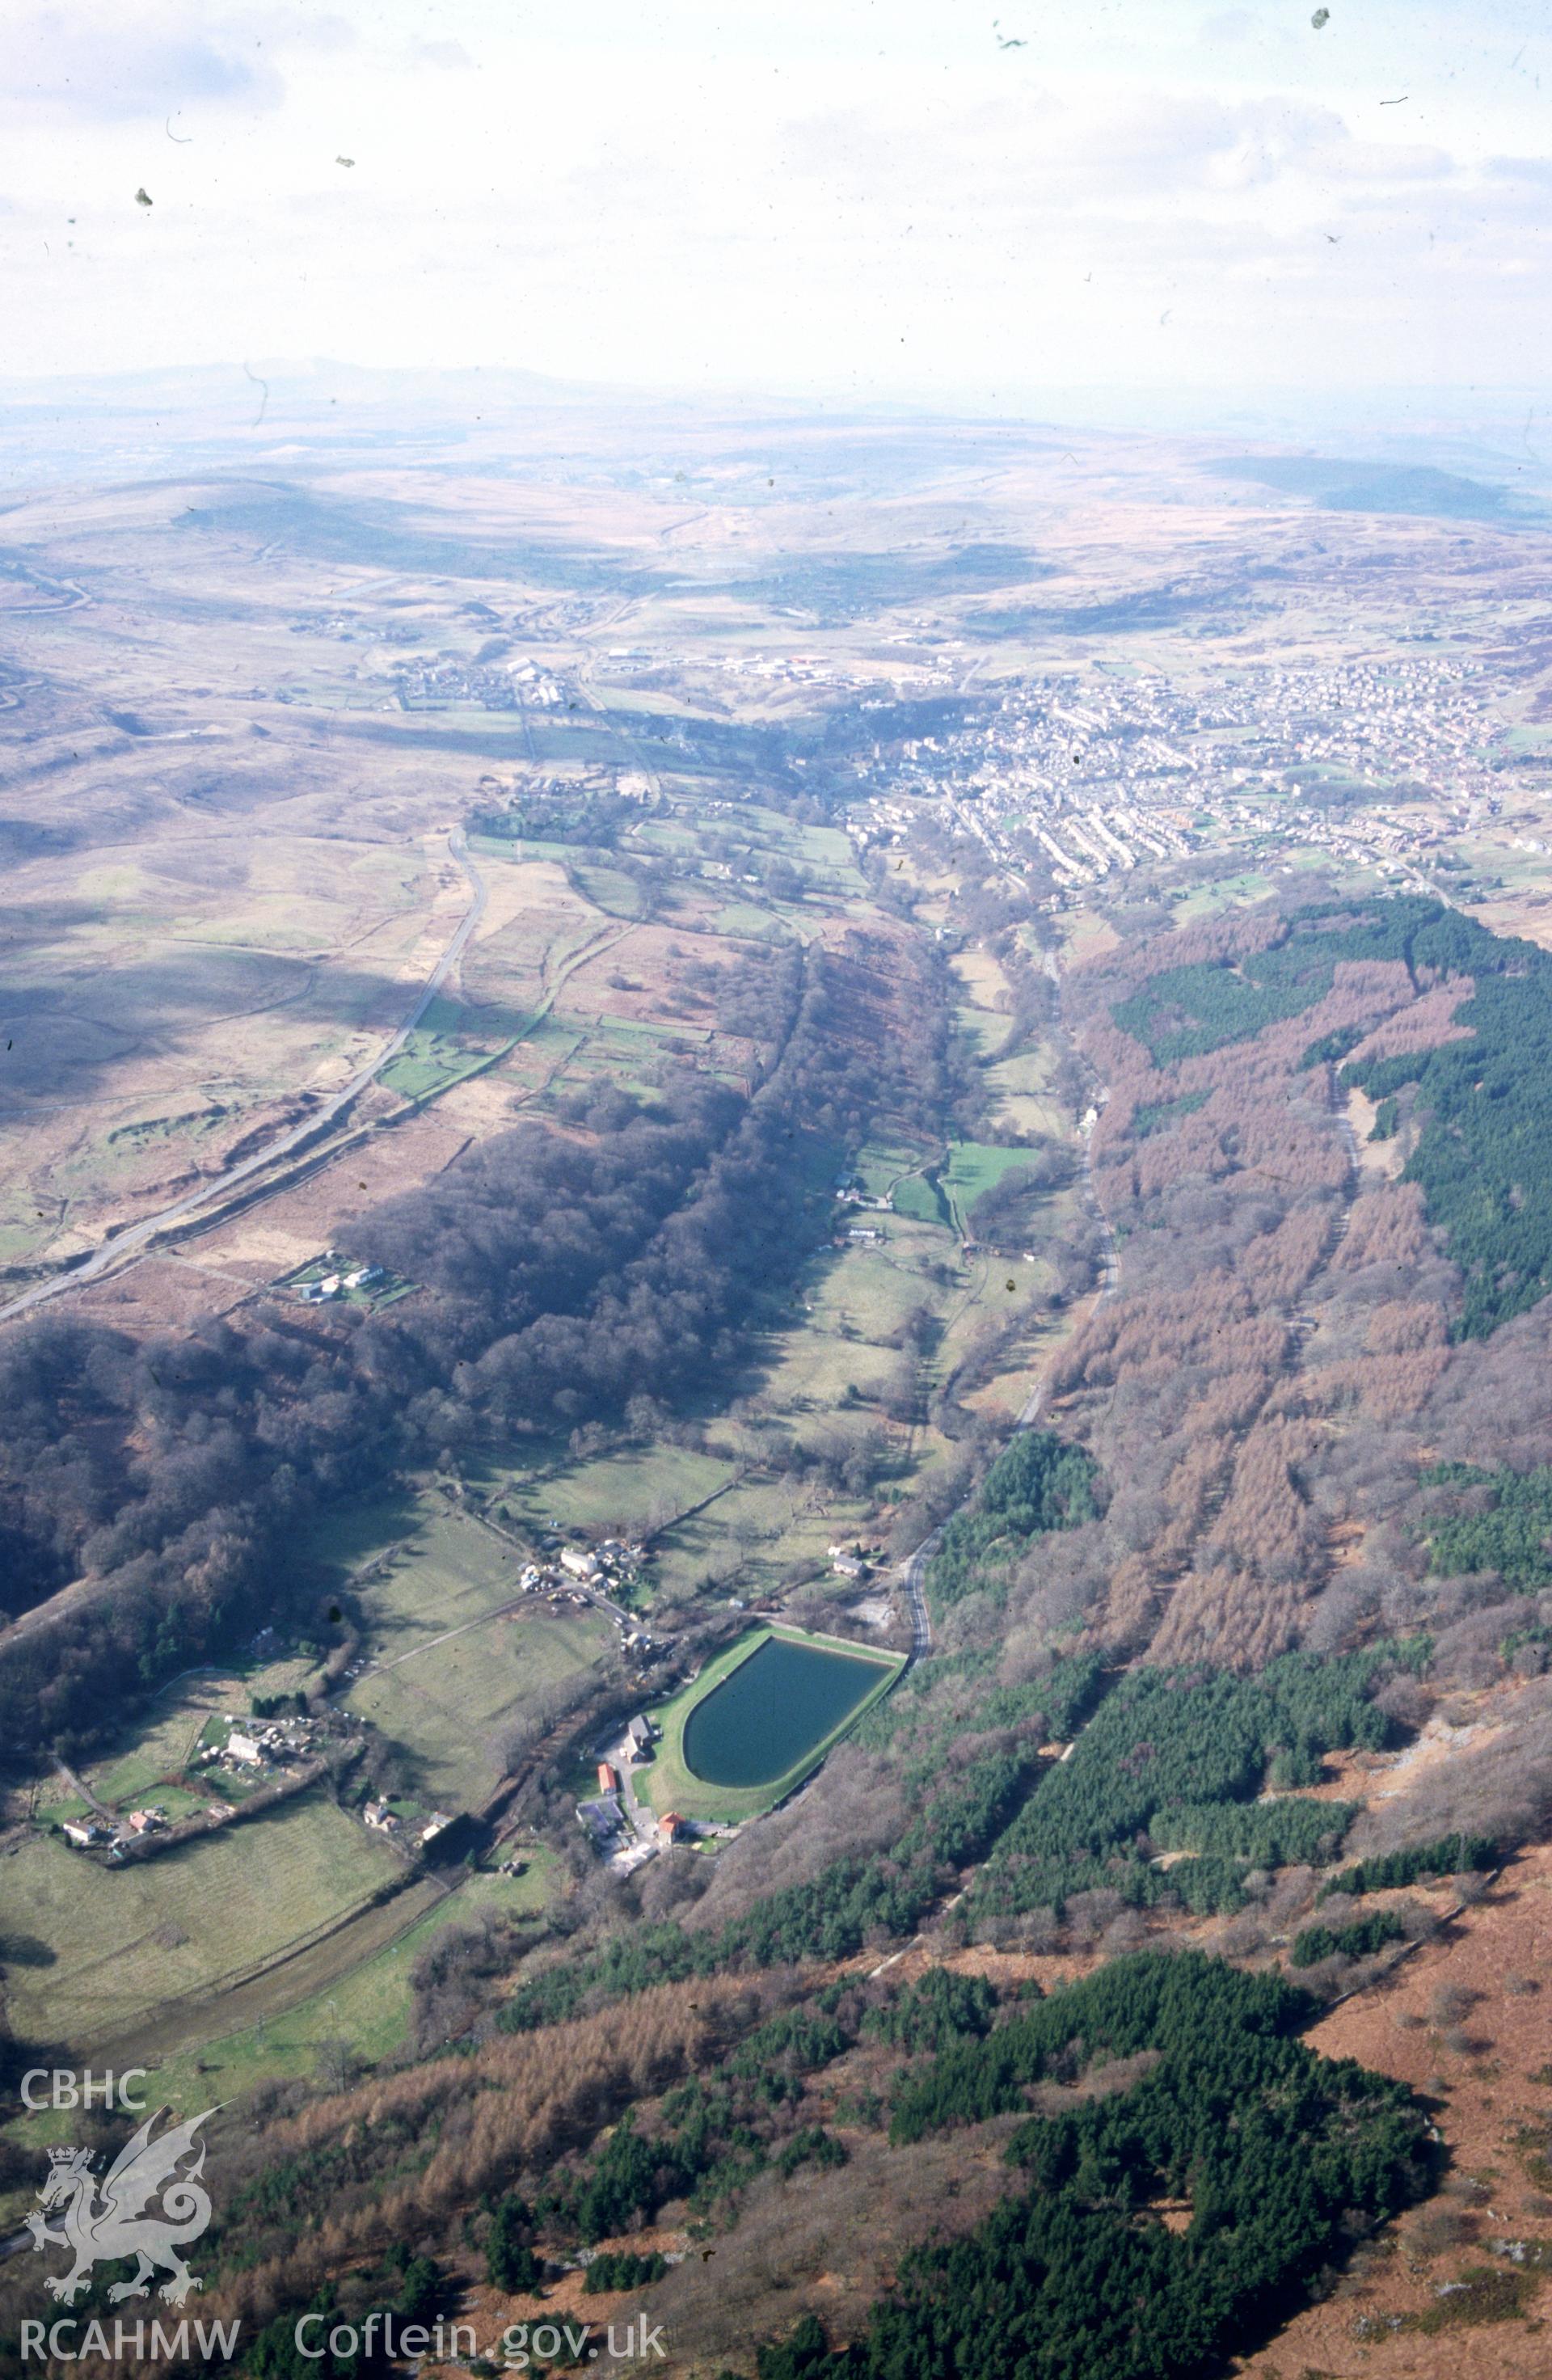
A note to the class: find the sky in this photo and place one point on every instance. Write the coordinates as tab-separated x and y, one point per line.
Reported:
845	199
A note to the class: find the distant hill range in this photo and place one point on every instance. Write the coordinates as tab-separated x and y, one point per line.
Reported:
1364	487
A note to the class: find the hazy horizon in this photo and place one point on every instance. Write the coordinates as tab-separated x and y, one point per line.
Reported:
841	204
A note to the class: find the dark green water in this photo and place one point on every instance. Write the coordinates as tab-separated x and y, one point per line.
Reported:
774	1708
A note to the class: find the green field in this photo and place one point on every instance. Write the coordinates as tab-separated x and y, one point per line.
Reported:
164	1750
972	1167
866	1295
446	1706
921	1200
640	1488
612	890
444	1571
743	921
163	1742
669	1784
368	2009
880	1164
439	1052
748	1540
449	1671
108	1947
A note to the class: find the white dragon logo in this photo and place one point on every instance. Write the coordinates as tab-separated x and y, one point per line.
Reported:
108	2218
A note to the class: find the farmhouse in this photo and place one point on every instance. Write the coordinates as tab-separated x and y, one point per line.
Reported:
581	1563
244	1748
83	1832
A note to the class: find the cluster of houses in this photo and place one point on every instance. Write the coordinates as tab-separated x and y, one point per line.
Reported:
253	1746
254	1750
610	1563
1106	773
98	1833
579	1574
333	1285
616	1824
849	1193
384	1820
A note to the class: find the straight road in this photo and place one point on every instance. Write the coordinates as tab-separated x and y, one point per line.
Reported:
137	1237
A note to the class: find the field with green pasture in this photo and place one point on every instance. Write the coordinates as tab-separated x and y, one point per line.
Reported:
819	1378
749	1541
620	1494
163	1739
107	1947
442	1570
448	1043
974	1165
446	1706
449	1667
881	1164
367	2011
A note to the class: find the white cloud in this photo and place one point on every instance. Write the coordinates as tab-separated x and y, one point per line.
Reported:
98	63
794	192
451	55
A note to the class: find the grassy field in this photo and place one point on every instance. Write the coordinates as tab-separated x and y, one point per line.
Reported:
368	2010
445	1705
922	1201
868	1291
612	890
168	1743
444	1571
882	1163
448	1671
743	922
670	1784
972	1167
1028	1100
817	1377
978	1015
165	1740
441	1050
749	1539
638	1488
111	1945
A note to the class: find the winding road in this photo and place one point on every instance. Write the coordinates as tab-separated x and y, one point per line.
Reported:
136	1237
